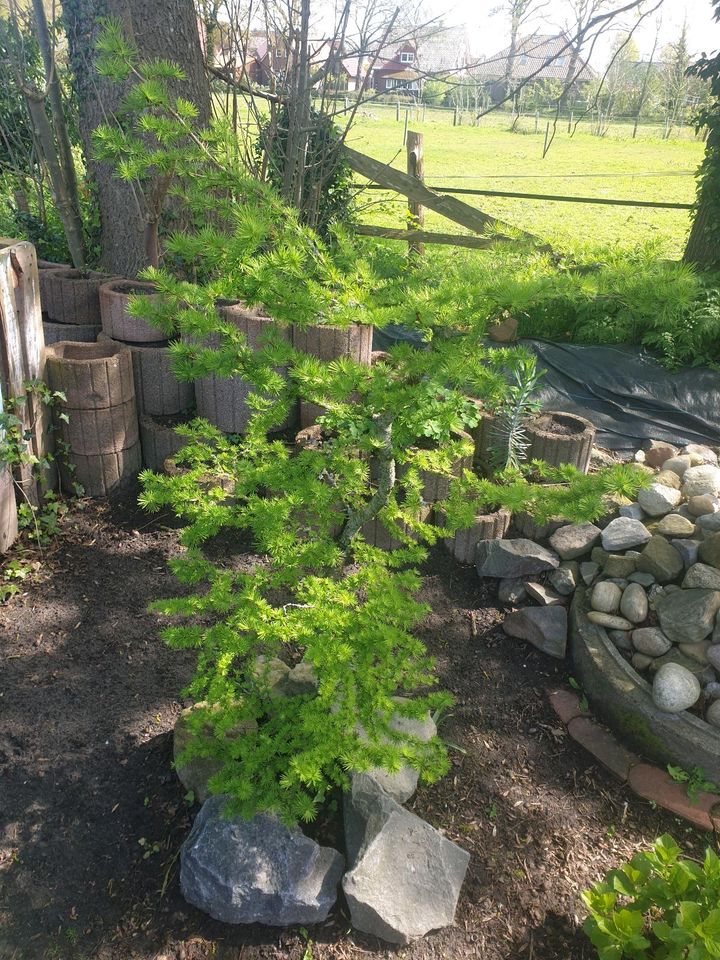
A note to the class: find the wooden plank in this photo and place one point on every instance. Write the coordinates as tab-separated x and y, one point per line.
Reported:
449	207
425	236
473	192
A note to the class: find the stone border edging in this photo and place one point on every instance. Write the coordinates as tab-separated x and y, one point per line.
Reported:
647	781
623	700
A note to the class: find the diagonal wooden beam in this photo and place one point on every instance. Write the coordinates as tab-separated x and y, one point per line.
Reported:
450	207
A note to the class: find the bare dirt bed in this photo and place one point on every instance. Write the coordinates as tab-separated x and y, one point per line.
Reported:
92	816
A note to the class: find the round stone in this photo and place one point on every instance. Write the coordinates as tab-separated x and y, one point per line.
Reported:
657	499
673	525
713	655
624	533
702	451
712	690
651	641
606	597
699	481
709	523
675	689
634	603
621	639
700	576
712	714
668	478
609	621
678	465
701	506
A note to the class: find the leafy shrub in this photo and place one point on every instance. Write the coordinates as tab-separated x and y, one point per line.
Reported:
659	906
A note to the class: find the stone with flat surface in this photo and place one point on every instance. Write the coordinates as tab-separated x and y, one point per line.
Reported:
505	559
543	627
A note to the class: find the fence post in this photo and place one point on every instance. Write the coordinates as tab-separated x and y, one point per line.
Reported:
397	111
405	131
537	120
415	168
570	122
455	116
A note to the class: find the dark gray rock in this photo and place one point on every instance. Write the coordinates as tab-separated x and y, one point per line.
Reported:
566	578
512	592
644	579
624	533
505	559
543	627
257	871
701	576
575	540
709	523
651	641
589	571
687	616
617	565
661	559
403	784
709	551
633	511
405	877
688	550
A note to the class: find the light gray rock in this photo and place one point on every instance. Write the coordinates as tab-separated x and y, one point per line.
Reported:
566	578
257	871
634	604
512	592
703	672
575	540
673	525
632	511
702	577
618	581
709	550
402	784
543	627
641	661
678	465
644	579
624	533
661	559
698	481
609	621
709	523
302	679
658	452
687	616
507	559
712	714
669	479
675	689
621	639
701	506
405	877
688	550
196	772
606	597
650	641
589	571
701	450
657	499
543	595
712	690
713	654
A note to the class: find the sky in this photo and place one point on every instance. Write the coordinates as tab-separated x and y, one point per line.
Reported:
489	33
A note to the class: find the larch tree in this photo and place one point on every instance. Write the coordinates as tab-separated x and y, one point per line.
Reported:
161	29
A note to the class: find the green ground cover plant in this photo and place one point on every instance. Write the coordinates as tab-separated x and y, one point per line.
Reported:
315	592
659	906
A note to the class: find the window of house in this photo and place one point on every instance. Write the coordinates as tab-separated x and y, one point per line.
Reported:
407	57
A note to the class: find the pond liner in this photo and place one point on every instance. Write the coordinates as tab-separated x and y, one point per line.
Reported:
624	390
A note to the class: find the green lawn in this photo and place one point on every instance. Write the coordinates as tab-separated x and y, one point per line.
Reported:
475	156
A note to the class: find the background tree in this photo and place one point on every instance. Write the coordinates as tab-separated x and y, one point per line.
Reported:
703	246
159	28
519	13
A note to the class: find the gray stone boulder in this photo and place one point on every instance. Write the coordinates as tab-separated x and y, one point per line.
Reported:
257	871
709	523
619	565
673	525
634	603
661	559
589	570
632	510
688	616
405	877
701	576
512	592
674	688
709	550
403	784
624	533
566	578
678	465
508	559
698	481
688	550
650	641
701	506
544	627
575	540
195	773
657	499
606	597
700	452
658	452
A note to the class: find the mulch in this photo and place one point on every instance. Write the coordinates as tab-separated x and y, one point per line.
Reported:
92	816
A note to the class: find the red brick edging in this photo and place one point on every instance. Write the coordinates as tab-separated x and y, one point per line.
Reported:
647	781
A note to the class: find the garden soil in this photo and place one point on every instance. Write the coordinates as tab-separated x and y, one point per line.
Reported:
92	816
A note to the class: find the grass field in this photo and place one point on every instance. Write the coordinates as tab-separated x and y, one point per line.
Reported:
492	157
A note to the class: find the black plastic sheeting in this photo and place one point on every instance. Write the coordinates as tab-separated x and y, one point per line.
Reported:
627	394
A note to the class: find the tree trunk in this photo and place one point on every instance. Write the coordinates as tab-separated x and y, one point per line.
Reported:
703	246
165	29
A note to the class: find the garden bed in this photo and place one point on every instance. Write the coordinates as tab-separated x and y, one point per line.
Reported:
89	697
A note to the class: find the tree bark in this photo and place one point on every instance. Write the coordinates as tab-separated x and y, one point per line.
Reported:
166	29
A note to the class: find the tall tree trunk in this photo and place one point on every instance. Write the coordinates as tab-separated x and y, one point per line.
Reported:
703	246
165	29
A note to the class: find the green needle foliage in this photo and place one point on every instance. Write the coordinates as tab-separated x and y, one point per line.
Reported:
312	591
